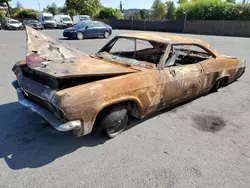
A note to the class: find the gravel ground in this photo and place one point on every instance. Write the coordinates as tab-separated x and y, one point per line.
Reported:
172	149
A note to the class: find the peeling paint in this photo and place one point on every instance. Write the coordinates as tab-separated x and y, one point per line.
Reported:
145	88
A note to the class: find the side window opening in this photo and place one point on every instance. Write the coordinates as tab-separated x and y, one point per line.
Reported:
183	54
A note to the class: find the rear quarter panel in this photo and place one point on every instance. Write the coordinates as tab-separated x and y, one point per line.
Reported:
215	69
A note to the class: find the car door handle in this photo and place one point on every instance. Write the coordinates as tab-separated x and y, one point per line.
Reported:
172	72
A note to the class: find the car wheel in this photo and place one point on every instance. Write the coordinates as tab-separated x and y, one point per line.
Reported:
79	36
115	121
106	35
219	84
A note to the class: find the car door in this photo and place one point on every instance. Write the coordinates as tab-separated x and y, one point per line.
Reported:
100	28
90	30
181	83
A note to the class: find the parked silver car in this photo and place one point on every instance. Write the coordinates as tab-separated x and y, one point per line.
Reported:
12	24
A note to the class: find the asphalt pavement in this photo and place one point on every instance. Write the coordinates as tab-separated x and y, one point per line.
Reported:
171	149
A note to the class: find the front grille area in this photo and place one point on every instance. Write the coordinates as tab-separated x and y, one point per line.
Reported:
50	25
46	105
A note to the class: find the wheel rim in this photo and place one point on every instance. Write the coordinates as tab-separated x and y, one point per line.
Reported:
106	34
80	36
114	131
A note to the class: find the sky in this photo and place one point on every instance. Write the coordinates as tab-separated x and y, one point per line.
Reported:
141	4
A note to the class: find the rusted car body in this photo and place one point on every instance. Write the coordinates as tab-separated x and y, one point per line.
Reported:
72	90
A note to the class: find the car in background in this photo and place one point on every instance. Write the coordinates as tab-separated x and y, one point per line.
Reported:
47	19
0	26
33	23
63	21
90	29
81	18
11	24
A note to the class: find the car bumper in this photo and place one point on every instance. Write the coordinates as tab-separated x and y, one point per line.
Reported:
48	116
37	27
69	35
50	25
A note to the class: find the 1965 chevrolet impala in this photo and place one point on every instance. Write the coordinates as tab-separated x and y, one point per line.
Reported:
132	75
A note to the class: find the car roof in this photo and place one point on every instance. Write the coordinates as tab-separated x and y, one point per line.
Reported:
168	38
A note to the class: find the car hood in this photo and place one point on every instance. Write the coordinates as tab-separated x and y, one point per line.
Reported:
49	57
15	25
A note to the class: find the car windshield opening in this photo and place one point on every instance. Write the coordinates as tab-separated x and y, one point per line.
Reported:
66	19
48	18
14	22
135	51
84	18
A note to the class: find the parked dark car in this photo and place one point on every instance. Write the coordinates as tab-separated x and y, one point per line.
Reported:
33	23
88	29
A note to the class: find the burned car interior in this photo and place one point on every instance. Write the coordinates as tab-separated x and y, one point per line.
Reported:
151	52
141	50
183	54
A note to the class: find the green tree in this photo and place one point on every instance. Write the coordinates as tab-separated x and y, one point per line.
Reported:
158	10
18	5
90	7
213	10
132	15
182	1
53	9
170	10
110	13
144	14
230	1
93	7
72	12
121	6
7	2
26	14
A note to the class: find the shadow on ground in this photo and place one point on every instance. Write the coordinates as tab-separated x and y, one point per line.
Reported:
27	141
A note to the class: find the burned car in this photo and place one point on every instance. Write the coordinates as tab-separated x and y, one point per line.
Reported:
134	75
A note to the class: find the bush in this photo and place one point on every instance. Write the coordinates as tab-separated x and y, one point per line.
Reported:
110	13
213	10
25	14
2	16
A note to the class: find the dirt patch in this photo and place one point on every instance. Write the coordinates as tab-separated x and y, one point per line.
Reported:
208	123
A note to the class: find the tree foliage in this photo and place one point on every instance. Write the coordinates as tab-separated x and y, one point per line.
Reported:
93	7
2	16
133	15
144	14
90	7
213	10
170	10
110	13
53	9
182	1
7	2
158	10
26	14
18	5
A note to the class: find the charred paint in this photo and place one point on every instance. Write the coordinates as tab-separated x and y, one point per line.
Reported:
145	88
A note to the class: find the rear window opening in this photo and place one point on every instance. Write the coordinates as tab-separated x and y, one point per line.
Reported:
185	54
